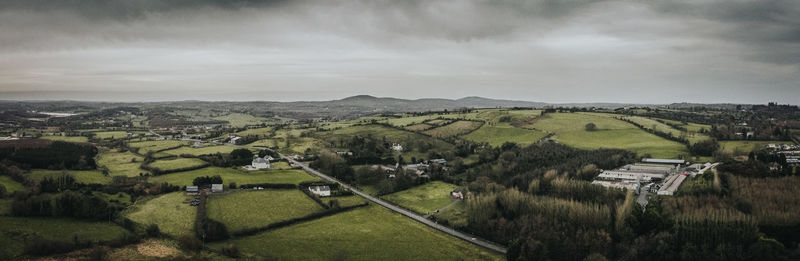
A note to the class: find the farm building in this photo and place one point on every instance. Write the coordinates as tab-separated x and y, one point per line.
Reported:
192	190
655	169
671	185
457	195
259	163
665	161
397	147
632	185
630	175
234	140
322	191
216	188
439	161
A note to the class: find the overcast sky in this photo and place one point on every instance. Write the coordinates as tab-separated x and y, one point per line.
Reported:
709	51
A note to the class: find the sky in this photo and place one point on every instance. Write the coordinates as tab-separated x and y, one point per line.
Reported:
705	51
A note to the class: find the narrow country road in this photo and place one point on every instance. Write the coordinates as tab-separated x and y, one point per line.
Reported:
464	236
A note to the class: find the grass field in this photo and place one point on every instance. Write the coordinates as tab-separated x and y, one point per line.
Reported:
10	184
496	136
419	127
240	120
368	233
454	129
392	135
179	163
261	132
81	176
104	135
267	143
690	126
425	198
121	163
252	209
240	176
455	215
652	124
210	150
121	198
168	211
16	232
345	201
744	147
611	133
156	145
67	138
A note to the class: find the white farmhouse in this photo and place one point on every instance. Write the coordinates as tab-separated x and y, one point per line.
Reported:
259	163
322	191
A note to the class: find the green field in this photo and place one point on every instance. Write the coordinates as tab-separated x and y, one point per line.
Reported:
652	124
210	150
454	129
496	136
11	185
345	201
81	176
16	232
368	233
121	198
168	211
424	199
66	138
392	135
240	120
121	163
104	135
267	143
261	132
419	127
258	208
611	133
156	145
179	163
455	215
240	176
744	147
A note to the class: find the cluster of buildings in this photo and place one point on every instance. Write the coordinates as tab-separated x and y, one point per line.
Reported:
791	152
259	163
420	169
661	176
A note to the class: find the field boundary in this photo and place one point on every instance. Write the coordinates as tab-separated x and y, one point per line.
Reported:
289	222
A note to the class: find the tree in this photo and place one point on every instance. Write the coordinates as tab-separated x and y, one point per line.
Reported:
591	127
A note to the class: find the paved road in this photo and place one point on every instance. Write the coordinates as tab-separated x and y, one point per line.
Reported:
412	215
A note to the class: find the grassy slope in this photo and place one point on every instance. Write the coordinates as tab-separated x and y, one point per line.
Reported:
201	151
156	145
744	147
496	136
454	129
82	176
253	209
111	134
369	233
168	211
16	232
178	163
10	184
652	124
121	163
611	133
425	198
67	138
239	176
345	201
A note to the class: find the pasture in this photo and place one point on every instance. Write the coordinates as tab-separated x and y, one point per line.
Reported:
496	136
168	211
11	185
238	175
106	135
179	163
65	138
210	150
345	201
425	198
655	125
569	129
18	231
744	147
239	120
454	129
81	176
392	135
245	209
121	163
455	215
261	132
419	127
145	147
368	233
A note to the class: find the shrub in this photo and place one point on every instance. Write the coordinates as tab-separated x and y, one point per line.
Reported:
153	230
98	253
189	243
230	251
591	127
41	247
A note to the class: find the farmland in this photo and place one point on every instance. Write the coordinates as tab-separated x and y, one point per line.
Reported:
19	231
121	163
496	136
179	163
252	209
66	138
454	129
651	124
145	147
210	150
744	147
356	235
105	135
425	198
169	212
345	201
10	184
81	176
261	132
569	129
240	176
